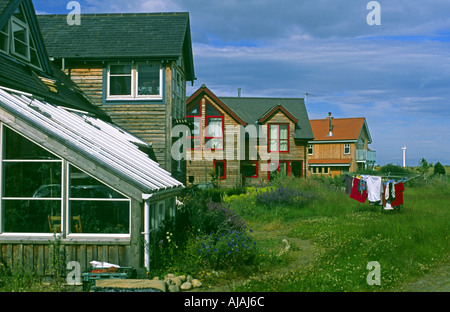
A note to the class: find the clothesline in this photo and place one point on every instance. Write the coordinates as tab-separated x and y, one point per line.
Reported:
388	194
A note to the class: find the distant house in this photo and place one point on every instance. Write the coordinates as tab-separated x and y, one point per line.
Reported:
66	169
245	140
339	145
134	66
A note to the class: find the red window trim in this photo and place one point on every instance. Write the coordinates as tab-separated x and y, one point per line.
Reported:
257	168
224	168
278	145
289	167
206	129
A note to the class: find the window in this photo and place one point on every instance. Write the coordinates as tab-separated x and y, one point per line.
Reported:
134	81
178	93
280	169
194	116
101	209
297	167
279	138
42	194
17	41
220	169
346	149
250	169
31	185
310	149
214	128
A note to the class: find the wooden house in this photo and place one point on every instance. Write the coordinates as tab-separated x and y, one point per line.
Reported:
340	145
67	172
239	141
134	66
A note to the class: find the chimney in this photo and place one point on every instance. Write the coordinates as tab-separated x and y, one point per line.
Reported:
330	119
239	92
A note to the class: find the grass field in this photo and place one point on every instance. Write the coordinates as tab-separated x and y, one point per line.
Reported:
347	235
310	237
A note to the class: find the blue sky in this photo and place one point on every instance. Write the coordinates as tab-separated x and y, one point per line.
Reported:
396	74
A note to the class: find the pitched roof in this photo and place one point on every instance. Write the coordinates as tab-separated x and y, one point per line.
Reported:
133	36
102	142
19	75
251	110
343	128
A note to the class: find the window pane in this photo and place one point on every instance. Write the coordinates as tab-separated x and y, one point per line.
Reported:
283	145
120	70
214	127
83	185
220	169
195	111
31	216
18	147
120	85
273	145
148	80
283	169
106	217
273	132
249	170
19	32
29	179
283	132
211	111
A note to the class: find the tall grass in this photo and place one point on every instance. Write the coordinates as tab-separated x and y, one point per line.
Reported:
406	244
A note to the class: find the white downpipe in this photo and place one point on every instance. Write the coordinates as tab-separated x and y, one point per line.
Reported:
146	232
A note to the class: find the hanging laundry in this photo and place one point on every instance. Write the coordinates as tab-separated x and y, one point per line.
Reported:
355	194
388	194
399	189
373	188
348	183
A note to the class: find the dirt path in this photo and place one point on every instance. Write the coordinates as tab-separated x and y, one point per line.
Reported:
436	281
303	251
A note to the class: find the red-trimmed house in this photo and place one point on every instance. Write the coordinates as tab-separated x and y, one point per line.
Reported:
239	141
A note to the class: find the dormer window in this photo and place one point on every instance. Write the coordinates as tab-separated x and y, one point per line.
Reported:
16	39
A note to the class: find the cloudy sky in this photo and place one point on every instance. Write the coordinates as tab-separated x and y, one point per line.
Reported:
396	74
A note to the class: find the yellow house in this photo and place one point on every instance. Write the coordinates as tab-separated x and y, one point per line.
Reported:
339	145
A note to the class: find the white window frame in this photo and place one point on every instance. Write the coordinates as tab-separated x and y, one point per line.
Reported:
65	205
67	231
311	146
134	83
346	146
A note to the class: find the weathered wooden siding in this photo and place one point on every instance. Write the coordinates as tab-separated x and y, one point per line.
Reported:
89	79
201	168
37	256
149	120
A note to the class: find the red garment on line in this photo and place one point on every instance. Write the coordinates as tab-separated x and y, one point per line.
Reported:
399	189
355	193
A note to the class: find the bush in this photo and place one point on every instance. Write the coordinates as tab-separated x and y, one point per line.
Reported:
394	170
283	195
439	168
227	249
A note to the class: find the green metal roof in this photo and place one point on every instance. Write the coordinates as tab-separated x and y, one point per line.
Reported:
251	109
